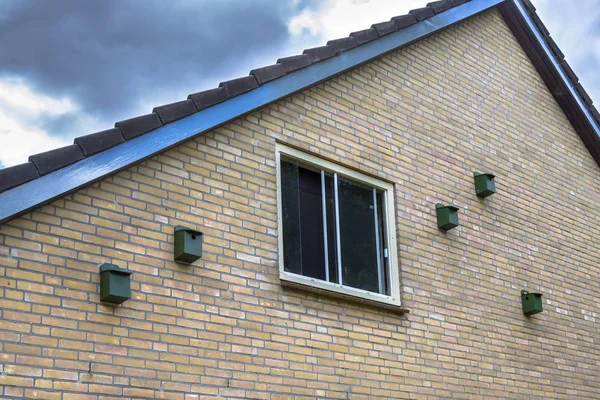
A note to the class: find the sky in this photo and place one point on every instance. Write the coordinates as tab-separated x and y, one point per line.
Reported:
69	68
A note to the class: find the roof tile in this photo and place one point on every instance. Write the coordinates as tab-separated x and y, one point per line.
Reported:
55	159
385	28
174	111
538	22
569	71
268	73
595	113
364	36
443	5
321	53
422	13
139	125
554	47
402	21
529	6
99	141
44	163
343	44
235	87
584	95
209	97
294	62
17	175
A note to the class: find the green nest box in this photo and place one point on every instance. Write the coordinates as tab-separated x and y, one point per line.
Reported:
485	184
114	284
532	302
188	245
447	216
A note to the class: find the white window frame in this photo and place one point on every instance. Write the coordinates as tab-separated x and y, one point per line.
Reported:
389	229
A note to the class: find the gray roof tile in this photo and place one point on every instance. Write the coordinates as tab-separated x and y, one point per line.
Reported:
17	175
174	111
385	28
554	47
52	160
139	125
540	25
402	21
443	5
99	141
235	87
584	95
294	63
569	71
268	73
317	54
124	130
209	97
343	44
422	13
364	36
530	7
595	113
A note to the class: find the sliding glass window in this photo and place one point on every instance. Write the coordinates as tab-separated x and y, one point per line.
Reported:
335	227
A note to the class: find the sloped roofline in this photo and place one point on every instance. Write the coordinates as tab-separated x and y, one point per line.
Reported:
54	174
557	74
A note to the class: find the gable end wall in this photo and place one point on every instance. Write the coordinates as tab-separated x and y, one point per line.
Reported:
425	118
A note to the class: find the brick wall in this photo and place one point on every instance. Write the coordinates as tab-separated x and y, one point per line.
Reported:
466	100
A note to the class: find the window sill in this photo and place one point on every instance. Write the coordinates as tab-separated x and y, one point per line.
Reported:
337	295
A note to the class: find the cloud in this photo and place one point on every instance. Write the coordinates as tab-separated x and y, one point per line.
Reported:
77	67
576	30
20	108
116	59
70	67
337	18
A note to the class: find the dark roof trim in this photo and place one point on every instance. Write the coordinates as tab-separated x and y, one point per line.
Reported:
54	185
557	58
521	18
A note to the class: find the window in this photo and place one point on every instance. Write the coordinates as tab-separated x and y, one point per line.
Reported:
336	227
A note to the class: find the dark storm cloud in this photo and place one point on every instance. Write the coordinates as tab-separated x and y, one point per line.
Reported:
108	55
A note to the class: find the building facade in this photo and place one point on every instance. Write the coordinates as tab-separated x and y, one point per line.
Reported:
422	119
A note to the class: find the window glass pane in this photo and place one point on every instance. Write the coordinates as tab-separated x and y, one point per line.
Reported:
331	241
382	241
302	214
357	236
290	204
311	224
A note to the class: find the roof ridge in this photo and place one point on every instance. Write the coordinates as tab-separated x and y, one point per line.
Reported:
84	146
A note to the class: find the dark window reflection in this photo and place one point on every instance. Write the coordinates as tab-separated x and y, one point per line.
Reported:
361	222
357	236
303	247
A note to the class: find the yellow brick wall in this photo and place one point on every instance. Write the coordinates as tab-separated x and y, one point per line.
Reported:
466	100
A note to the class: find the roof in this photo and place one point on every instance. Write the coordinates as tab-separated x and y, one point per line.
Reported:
53	174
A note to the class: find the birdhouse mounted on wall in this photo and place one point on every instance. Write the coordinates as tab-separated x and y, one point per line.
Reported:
447	216
485	184
188	245
532	302
114	284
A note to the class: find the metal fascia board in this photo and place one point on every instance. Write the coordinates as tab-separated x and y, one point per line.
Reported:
66	180
536	32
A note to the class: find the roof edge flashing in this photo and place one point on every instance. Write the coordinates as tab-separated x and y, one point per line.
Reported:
557	65
28	196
